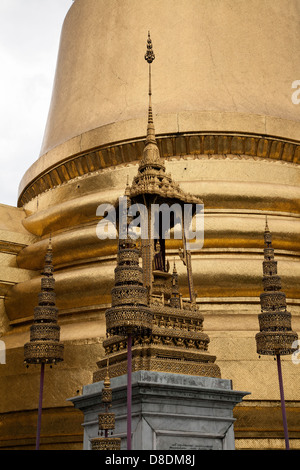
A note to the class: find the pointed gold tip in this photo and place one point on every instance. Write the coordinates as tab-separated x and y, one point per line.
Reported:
266	226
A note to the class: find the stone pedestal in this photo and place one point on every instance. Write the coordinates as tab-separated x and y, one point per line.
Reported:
169	411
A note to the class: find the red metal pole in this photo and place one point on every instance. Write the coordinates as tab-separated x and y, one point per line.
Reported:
38	434
129	391
286	436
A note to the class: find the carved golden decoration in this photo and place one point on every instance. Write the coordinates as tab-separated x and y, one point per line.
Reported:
162	359
176	343
106	443
106	421
225	145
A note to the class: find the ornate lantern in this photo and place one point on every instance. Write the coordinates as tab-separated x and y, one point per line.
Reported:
106	422
276	336
44	346
129	313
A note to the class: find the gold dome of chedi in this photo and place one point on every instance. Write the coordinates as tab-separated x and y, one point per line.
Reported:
241	160
235	153
219	68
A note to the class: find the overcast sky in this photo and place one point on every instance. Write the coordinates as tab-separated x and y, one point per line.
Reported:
29	41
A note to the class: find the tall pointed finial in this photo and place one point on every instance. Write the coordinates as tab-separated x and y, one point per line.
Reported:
149	57
268	239
151	154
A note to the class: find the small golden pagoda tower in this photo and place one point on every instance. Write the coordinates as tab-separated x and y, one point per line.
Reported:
276	335
45	345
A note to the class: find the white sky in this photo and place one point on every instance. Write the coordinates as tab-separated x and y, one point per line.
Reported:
29	41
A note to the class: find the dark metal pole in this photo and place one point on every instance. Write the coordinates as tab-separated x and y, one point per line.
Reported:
286	436
38	434
129	373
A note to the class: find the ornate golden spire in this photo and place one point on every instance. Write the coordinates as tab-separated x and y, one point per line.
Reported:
45	345
151	152
129	312
152	178
149	57
267	227
276	335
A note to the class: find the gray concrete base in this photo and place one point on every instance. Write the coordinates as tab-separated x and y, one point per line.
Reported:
169	411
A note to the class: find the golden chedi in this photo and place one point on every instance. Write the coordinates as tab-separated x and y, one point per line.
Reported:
228	132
